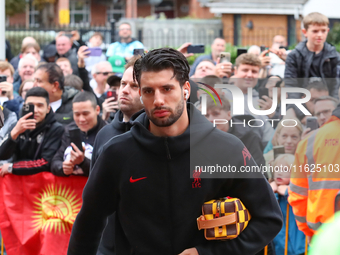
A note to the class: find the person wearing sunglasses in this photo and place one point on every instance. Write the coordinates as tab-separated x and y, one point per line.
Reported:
100	73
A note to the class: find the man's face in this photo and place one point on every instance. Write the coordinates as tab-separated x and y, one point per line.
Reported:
125	31
217	47
33	52
314	95
63	45
85	115
41	80
96	41
65	67
204	68
278	41
103	72
128	97
163	97
8	74
215	113
40	107
316	34
289	137
246	76
323	111
27	69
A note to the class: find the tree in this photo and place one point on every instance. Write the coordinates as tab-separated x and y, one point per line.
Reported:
14	6
334	34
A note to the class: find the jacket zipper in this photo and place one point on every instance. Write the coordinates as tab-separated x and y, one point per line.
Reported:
167	148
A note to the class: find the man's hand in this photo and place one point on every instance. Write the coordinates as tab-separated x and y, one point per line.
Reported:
109	105
77	156
83	53
78	171
265	104
22	125
68	167
4	170
265	60
282	189
75	35
184	49
191	251
223	69
274	186
281	53
8	88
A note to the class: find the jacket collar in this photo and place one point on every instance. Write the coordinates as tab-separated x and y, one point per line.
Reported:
329	50
46	123
100	123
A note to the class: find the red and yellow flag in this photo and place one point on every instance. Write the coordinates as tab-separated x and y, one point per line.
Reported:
37	212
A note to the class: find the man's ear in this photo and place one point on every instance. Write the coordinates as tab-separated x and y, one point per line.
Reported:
187	87
48	108
304	31
55	86
229	115
97	109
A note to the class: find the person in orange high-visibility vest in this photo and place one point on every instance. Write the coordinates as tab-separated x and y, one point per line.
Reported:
315	179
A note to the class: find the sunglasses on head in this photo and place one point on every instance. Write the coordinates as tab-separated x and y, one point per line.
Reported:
105	73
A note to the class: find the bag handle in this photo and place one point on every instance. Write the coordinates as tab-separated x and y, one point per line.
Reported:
202	223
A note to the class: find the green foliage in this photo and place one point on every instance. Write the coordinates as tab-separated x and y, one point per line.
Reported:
15	6
15	38
334	35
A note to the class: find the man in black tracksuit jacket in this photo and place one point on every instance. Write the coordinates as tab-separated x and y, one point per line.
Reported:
149	186
33	150
299	64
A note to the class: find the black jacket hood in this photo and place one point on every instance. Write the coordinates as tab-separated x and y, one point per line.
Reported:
199	128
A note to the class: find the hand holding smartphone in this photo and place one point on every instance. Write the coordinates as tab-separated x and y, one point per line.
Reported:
225	57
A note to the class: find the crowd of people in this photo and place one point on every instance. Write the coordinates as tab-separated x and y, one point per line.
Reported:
135	114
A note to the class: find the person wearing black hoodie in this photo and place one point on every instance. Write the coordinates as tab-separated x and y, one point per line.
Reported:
33	141
129	109
87	120
149	184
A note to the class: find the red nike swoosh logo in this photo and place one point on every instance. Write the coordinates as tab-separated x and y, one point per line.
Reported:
136	180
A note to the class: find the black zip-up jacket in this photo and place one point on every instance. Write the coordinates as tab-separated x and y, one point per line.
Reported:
64	113
150	188
298	64
88	137
116	127
250	139
33	150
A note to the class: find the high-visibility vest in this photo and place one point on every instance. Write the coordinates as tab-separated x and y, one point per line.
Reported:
315	177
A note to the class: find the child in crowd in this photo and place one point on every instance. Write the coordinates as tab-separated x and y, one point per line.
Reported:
296	239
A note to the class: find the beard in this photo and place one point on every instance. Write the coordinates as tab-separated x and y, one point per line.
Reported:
166	121
130	108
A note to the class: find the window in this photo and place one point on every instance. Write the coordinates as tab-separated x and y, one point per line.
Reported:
79	12
116	11
34	17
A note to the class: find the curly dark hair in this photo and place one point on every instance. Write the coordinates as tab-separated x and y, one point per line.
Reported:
161	59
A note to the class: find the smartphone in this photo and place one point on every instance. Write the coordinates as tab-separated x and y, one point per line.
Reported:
263	48
263	92
337	203
3	78
111	93
283	47
27	108
198	48
267	54
76	138
312	123
241	51
225	57
95	52
138	52
2	117
278	150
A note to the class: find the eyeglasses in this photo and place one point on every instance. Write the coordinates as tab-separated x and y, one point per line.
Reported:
122	29
105	73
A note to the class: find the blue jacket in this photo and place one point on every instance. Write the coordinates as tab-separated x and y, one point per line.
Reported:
123	49
296	239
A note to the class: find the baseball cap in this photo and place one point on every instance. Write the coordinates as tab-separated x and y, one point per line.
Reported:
117	63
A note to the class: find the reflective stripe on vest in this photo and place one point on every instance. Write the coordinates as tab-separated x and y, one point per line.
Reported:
299	190
314	226
310	148
300	219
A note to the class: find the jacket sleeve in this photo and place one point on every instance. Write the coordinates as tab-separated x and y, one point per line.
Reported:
298	191
58	159
83	74
291	73
91	220
8	147
50	147
265	223
335	81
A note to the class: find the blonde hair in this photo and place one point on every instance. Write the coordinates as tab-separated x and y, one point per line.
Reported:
248	59
315	18
287	158
287	122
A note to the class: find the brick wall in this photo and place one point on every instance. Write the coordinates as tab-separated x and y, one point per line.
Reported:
17	19
196	11
98	14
